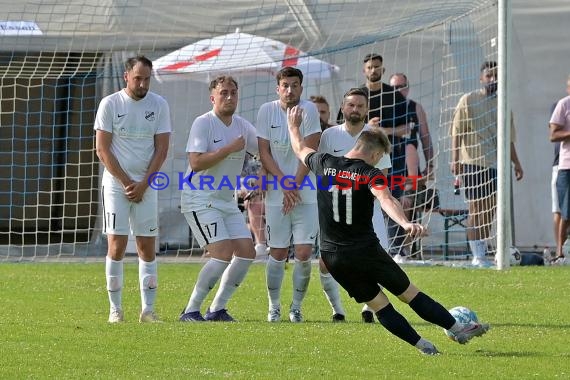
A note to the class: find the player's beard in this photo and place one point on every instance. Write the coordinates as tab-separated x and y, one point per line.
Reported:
355	118
373	78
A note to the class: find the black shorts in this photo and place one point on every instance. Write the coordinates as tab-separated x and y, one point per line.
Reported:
362	271
479	182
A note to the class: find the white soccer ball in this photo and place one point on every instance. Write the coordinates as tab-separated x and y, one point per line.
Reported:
462	315
514	256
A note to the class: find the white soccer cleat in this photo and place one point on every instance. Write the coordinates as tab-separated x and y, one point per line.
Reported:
116	316
274	314
149	317
295	316
470	331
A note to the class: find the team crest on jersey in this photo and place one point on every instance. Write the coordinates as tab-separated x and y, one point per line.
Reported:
149	115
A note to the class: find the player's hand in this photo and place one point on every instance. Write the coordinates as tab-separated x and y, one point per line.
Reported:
236	145
518	172
135	191
374	122
294	117
415	230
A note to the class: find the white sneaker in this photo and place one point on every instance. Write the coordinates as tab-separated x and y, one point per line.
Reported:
399	259
480	262
560	260
149	317
274	314
116	316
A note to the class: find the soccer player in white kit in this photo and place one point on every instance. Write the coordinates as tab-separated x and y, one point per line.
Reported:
290	209
217	145
132	137
338	141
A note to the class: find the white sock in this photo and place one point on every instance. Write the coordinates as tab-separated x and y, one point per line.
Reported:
478	248
274	273
422	343
231	279
148	281
209	275
114	276
330	287
367	308
301	278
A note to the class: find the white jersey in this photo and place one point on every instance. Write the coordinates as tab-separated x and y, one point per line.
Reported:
133	124
216	185
337	141
272	126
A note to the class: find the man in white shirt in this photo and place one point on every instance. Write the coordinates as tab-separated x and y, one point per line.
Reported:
217	145
132	137
290	209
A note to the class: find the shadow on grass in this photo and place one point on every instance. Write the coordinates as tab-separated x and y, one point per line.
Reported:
518	354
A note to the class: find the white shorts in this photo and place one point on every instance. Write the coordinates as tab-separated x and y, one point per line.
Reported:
302	224
210	225
553	191
121	216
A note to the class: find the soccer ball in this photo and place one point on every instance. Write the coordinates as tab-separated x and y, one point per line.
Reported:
462	315
514	256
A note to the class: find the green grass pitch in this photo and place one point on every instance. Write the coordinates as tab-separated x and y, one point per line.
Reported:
53	324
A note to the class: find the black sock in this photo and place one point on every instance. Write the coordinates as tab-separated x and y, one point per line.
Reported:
432	311
397	324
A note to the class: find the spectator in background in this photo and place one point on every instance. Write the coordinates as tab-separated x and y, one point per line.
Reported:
417	122
324	110
560	133
474	157
132	137
217	145
387	109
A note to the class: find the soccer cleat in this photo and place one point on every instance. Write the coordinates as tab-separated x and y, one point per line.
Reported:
558	260
191	316
338	318
149	317
274	314
429	349
218	316
470	330
367	316
116	316
295	316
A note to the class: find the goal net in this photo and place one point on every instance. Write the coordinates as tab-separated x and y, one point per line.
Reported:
58	60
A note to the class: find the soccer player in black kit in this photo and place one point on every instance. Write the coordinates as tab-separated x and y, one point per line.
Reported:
349	247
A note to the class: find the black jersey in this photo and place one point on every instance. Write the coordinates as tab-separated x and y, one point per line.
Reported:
345	201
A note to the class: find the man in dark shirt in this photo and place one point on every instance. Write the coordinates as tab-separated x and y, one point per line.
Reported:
387	108
350	249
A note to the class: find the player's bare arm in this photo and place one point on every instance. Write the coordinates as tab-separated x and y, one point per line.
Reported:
135	191
395	211
294	119
205	160
103	141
